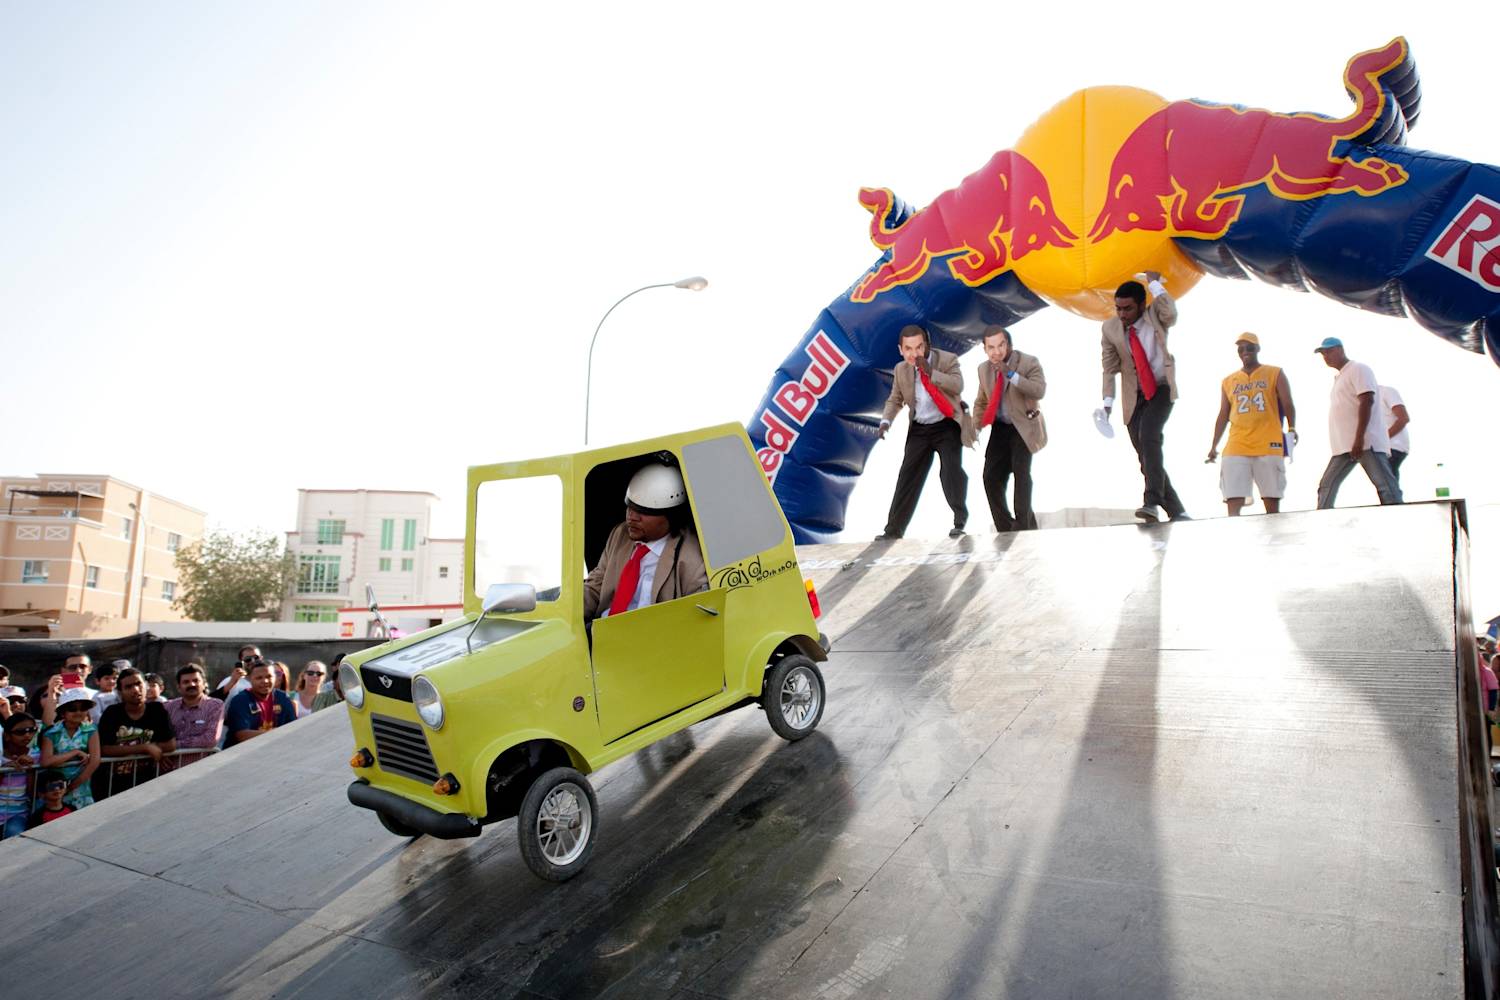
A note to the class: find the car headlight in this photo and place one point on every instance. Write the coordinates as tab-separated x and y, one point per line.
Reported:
354	691
429	705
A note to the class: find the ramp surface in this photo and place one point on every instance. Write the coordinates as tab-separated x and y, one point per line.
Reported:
1213	759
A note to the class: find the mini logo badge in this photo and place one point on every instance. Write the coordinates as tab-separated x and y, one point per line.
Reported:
385	681
578	704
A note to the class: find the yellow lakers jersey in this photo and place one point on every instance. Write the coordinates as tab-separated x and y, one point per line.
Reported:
1254	415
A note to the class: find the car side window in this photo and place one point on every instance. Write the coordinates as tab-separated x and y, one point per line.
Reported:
737	516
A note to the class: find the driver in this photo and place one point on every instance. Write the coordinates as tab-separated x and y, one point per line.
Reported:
653	555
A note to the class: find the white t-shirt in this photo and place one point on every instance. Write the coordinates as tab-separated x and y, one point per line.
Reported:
1389	400
1353	380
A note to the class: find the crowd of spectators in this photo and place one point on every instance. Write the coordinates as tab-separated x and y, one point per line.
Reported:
89	732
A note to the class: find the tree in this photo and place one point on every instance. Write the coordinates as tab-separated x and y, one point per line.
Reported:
224	577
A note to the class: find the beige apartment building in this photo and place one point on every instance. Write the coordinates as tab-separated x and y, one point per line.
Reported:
88	556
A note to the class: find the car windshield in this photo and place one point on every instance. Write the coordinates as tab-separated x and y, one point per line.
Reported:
518	534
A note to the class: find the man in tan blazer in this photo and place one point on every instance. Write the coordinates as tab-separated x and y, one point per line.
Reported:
653	555
1017	430
1135	348
928	383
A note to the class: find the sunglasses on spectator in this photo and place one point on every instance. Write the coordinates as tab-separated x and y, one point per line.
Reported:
312	673
54	786
23	732
75	707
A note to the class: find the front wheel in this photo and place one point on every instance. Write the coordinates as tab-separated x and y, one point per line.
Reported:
397	827
556	824
793	697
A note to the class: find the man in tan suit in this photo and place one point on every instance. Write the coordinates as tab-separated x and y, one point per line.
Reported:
1010	383
928	383
1135	348
653	555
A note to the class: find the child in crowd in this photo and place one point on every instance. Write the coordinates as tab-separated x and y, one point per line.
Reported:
154	687
72	745
53	785
20	756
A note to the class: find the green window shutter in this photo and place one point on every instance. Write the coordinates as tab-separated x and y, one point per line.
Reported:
409	536
385	564
387	534
407	564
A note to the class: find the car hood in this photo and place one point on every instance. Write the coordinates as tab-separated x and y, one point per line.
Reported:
447	645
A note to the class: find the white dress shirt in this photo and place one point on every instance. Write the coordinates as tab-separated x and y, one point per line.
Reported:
927	408
642	596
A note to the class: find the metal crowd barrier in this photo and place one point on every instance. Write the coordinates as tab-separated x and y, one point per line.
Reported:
171	762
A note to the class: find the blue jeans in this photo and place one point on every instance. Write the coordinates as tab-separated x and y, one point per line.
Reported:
1377	465
14	827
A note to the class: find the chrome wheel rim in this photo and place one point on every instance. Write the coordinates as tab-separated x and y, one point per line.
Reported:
799	699
563	824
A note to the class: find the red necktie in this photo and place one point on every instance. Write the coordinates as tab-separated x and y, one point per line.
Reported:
630	578
944	407
1143	373
994	404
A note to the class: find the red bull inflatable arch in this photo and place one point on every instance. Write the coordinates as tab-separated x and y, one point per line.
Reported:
1116	180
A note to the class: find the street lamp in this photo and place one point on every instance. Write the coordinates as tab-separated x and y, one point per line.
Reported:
694	284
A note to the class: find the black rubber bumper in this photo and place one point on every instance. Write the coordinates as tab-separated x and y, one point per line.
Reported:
444	826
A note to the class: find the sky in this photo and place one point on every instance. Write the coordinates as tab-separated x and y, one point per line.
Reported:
257	247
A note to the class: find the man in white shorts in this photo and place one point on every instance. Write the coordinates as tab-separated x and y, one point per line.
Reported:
1256	400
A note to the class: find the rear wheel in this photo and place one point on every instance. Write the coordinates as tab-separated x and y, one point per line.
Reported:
794	697
556	824
397	827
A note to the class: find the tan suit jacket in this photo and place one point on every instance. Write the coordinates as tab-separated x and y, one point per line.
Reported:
690	577
946	378
1020	398
1117	358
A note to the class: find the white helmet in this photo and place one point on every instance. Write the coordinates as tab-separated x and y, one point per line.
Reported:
656	489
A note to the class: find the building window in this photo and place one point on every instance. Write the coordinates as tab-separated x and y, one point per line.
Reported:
409	536
330	532
318	574
174	541
407	564
387	534
315	613
168	590
34	571
91	577
125	525
385	564
442	572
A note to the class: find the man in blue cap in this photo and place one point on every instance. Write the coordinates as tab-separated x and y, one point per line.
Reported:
1356	432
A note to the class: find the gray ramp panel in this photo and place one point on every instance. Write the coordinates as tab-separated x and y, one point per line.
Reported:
1218	759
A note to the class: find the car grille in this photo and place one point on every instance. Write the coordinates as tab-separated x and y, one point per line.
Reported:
401	748
386	685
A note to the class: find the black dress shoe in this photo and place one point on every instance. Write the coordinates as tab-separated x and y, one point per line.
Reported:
886	536
956	533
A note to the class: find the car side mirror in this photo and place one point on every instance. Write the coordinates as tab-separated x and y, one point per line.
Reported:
502	597
509	597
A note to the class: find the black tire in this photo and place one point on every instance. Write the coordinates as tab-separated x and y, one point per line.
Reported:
553	850
397	827
794	696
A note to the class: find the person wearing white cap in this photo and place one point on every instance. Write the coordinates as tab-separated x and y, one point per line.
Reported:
1255	401
653	555
71	745
1356	432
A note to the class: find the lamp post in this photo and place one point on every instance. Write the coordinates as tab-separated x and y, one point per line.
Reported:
693	284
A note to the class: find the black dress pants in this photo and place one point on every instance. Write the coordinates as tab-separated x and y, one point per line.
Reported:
1007	454
1147	432
922	442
